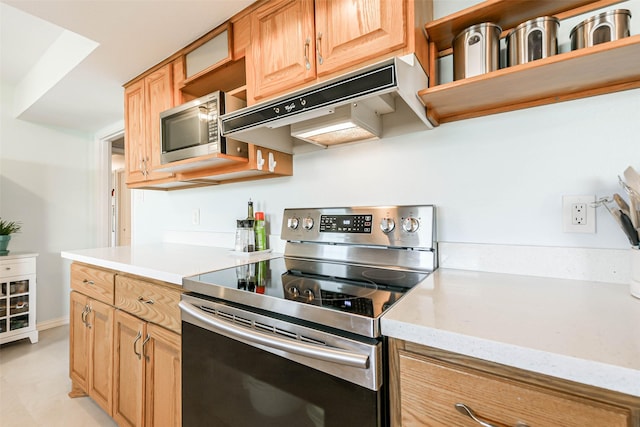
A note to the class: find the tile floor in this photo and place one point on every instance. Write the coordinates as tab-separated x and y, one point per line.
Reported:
34	382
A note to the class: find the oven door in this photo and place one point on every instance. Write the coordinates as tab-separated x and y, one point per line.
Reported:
241	368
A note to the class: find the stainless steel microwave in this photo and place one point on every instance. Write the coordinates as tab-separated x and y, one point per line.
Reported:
192	130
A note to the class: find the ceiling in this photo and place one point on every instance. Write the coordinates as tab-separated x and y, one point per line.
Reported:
63	62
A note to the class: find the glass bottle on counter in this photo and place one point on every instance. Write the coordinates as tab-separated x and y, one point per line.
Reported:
250	210
245	236
261	234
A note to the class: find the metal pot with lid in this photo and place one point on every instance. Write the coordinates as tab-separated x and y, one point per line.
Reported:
601	28
533	39
476	50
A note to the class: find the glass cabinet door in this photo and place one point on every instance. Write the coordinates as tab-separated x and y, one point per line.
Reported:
14	305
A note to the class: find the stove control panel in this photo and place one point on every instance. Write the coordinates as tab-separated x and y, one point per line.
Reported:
345	223
389	226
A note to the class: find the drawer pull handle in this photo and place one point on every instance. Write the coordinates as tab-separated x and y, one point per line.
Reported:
83	316
7	268
88	282
145	301
465	410
318	42
134	344
307	64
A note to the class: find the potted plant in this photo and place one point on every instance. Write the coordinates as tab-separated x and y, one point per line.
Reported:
7	228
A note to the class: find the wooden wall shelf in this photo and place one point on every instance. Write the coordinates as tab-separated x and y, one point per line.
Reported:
605	68
225	78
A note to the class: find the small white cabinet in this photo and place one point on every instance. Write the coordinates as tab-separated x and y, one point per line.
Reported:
18	297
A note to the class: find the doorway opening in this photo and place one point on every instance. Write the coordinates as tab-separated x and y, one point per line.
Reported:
120	208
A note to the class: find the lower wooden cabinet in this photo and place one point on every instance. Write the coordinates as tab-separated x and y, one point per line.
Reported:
163	378
91	350
147	374
435	388
129	364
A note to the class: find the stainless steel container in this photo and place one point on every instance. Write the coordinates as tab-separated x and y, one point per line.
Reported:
531	40
604	27
476	50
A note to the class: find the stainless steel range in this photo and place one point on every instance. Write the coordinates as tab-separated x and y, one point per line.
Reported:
296	340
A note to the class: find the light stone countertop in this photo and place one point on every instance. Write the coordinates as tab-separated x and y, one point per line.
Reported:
588	332
169	262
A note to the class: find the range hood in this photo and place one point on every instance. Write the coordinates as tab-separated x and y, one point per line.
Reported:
377	100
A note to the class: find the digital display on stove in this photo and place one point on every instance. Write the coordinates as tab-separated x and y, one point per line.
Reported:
346	223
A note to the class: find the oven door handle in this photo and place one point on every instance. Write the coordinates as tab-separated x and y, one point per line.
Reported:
230	330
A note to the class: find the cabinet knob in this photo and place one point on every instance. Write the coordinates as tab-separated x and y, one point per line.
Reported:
145	301
88	282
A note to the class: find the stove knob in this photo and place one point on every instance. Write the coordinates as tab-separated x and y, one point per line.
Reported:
309	294
293	222
307	223
387	225
410	224
294	291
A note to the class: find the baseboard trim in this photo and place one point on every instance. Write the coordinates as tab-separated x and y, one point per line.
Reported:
48	324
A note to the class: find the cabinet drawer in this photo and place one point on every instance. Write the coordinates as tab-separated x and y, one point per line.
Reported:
17	267
93	282
152	302
430	389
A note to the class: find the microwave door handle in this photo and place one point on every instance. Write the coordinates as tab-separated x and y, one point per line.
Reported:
230	330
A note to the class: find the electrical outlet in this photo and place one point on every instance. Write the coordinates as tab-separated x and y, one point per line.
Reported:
195	217
578	214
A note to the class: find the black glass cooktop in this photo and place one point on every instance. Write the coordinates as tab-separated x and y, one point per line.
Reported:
349	289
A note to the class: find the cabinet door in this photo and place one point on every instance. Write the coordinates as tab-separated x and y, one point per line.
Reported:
78	343
134	132
128	376
282	47
100	325
163	378
158	98
353	31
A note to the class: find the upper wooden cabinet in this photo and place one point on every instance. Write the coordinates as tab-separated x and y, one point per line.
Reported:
294	42
349	32
282	47
145	99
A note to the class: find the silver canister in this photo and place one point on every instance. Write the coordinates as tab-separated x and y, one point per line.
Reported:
533	39
604	27
476	50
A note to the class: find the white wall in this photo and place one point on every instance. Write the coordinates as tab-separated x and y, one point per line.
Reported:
47	183
497	179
